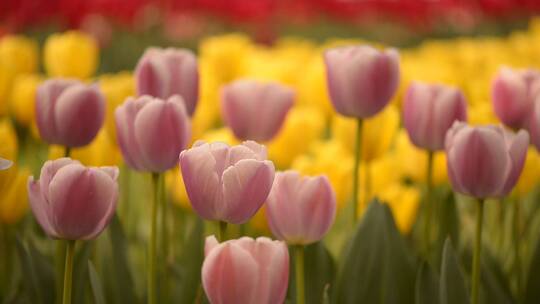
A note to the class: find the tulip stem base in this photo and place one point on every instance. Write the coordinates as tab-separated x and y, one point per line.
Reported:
222	231
475	280
517	251
151	275
356	169
68	271
428	203
60	260
299	273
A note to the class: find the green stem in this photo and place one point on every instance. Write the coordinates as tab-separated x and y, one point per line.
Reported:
151	275
367	186
356	177
517	253
60	266
68	271
475	280
299	272
164	236
222	231
428	202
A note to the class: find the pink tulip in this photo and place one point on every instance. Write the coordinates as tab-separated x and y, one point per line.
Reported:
166	72
5	164
71	201
68	112
245	271
361	79
152	132
255	110
227	183
485	161
300	210
513	93
534	124
429	110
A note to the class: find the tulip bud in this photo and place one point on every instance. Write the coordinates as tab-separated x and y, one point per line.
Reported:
429	110
71	201
253	110
166	72
68	112
71	54
513	93
361	79
152	132
245	271
227	183
300	210
484	161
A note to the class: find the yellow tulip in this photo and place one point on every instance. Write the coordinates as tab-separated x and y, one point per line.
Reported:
530	176
116	88
101	152
333	160
23	98
412	161
13	194
226	54
71	54
18	54
312	88
9	145
302	126
377	133
207	111
403	202
260	222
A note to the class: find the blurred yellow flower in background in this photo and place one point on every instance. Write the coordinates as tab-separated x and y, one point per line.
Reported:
100	152
312	89
377	133
207	112
23	98
403	202
412	161
71	54
329	158
530	176
302	126
13	195
8	140
116	88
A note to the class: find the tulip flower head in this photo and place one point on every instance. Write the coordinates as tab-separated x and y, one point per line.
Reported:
253	110
226	183
152	132
300	209
68	112
429	110
245	271
485	161
166	72
534	124
71	201
361	79
513	93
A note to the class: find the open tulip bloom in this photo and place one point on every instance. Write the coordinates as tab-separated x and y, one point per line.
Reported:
484	162
73	202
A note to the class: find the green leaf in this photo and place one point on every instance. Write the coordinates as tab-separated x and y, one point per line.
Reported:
123	289
188	271
378	267
532	289
452	284
448	224
80	272
427	285
493	281
95	283
38	274
319	273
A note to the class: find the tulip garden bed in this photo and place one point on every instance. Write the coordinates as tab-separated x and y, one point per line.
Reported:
297	171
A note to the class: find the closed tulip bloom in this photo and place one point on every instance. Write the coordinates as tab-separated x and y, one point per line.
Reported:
227	183
485	161
513	93
300	209
429	110
152	132
361	79
245	271
68	112
71	201
166	72
255	110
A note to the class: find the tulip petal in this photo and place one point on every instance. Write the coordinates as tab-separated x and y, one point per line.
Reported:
5	164
125	116
517	149
40	207
245	188
48	171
